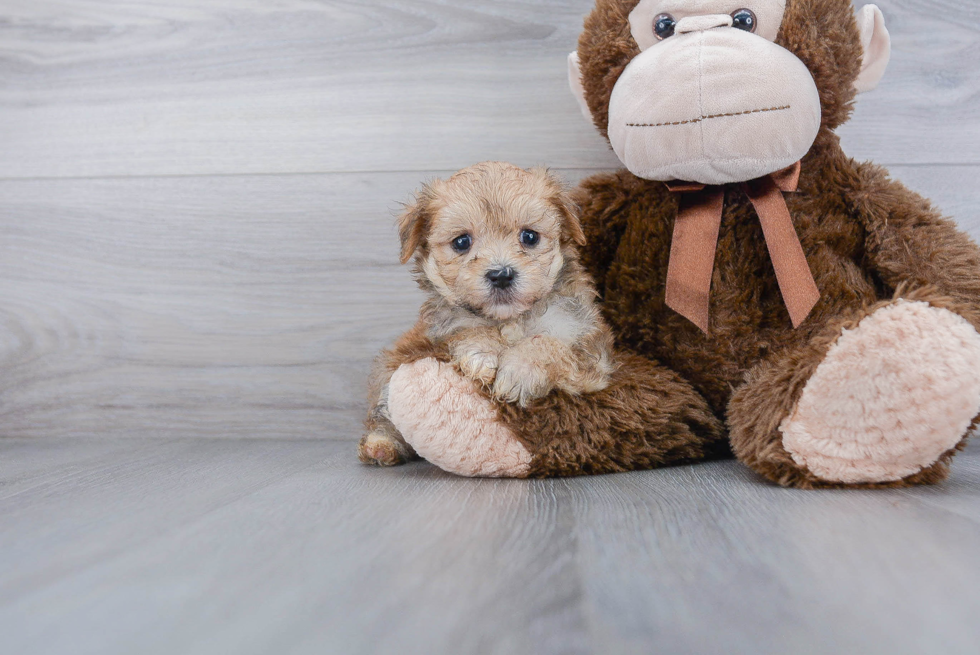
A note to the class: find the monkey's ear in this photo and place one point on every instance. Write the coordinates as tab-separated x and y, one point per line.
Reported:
575	83
413	225
877	45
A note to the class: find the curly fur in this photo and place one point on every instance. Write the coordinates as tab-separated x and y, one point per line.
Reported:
868	241
541	331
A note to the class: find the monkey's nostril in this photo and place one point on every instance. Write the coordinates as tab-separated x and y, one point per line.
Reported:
501	278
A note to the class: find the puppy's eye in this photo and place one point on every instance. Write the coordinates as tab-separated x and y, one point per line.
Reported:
530	238
462	243
743	19
663	26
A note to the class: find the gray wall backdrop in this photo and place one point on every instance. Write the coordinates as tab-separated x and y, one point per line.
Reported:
196	198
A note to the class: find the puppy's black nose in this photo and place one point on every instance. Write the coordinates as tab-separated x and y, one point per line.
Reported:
501	278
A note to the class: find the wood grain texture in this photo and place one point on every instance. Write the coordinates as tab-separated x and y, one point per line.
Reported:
218	306
179	88
197	264
228	305
927	108
198	546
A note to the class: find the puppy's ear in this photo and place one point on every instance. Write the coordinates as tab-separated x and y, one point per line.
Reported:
414	222
559	196
570	223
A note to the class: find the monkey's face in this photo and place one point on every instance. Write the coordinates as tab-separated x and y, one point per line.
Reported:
711	98
703	91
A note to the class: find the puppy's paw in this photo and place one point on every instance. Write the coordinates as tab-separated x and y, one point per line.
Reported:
521	380
380	449
477	364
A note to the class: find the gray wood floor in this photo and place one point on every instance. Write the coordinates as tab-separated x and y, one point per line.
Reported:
172	545
197	263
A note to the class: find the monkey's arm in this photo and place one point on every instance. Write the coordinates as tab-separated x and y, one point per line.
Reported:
909	242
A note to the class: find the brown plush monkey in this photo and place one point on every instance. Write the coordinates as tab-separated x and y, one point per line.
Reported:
769	294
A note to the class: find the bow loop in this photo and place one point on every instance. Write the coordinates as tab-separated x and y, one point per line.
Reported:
695	239
787	179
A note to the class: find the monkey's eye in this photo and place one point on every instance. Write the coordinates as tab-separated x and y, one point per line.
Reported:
663	26
462	243
743	19
530	238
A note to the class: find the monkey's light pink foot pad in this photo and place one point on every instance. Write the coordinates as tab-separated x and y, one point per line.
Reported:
891	396
444	417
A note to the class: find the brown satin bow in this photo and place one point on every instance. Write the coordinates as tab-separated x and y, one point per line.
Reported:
692	249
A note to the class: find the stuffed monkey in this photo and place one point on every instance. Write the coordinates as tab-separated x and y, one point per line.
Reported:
770	297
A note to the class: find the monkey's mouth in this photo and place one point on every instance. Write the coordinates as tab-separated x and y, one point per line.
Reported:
701	119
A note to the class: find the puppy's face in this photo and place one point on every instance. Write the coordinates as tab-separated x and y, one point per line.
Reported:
492	238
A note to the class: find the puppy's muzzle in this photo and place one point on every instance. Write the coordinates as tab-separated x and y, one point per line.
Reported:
501	278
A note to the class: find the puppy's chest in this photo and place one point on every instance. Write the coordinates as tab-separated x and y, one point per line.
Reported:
563	320
512	332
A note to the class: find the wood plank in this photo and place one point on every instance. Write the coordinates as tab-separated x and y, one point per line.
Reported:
79	511
952	189
218	306
203	546
926	109
289	546
229	87
183	88
740	566
958	495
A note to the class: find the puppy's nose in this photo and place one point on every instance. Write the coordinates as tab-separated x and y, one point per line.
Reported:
501	278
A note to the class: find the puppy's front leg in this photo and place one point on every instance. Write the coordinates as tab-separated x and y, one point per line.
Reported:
529	369
477	352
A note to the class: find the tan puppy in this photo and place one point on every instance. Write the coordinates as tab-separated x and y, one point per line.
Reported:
495	249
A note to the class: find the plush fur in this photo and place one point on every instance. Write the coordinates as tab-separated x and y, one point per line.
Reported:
520	337
871	244
890	396
442	434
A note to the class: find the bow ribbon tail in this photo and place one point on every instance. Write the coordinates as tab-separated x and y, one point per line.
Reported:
793	274
692	253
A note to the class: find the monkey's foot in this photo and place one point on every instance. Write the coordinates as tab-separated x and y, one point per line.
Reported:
891	397
446	419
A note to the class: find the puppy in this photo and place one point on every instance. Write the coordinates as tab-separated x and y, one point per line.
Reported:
508	302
